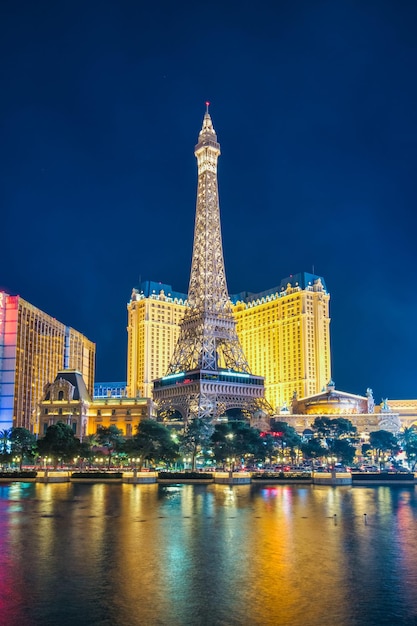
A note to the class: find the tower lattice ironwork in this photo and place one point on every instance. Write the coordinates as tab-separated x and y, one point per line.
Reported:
208	373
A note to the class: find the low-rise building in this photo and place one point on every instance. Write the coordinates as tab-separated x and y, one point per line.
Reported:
332	403
67	400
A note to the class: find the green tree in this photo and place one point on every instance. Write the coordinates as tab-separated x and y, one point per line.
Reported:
383	441
196	438
343	450
408	440
22	444
313	449
5	454
111	438
271	447
340	427
332	432
323	427
287	438
152	442
329	429
5	440
86	449
366	449
59	443
237	440
411	453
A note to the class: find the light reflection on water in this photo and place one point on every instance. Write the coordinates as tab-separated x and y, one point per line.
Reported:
207	555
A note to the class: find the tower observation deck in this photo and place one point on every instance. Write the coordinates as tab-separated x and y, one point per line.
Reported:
208	372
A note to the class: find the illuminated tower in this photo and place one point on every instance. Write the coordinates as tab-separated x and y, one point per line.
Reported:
208	373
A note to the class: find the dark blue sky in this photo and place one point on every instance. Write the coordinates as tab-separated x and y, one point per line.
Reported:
315	107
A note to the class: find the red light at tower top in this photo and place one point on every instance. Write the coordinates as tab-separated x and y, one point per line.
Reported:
207	106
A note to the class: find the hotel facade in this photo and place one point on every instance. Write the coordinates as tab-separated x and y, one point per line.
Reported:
67	400
284	333
33	347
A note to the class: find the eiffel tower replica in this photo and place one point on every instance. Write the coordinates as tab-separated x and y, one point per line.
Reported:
208	373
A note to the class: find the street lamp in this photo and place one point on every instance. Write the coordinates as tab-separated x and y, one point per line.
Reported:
135	467
231	463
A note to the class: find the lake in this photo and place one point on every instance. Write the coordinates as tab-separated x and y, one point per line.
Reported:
158	555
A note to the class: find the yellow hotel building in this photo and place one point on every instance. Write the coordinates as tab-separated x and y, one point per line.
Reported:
154	314
33	347
284	333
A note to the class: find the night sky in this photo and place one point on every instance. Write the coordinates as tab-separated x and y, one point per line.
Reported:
315	108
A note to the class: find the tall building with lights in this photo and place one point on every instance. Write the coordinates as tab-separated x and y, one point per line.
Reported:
284	332
154	315
33	347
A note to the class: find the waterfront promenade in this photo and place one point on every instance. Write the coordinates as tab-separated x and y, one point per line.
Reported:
229	478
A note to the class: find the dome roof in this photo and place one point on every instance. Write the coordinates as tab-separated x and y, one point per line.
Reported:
330	402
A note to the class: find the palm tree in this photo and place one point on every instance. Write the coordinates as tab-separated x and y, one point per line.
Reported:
88	447
408	440
5	444
4	440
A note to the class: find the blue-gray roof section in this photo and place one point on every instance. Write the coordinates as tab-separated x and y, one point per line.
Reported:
303	280
149	288
76	379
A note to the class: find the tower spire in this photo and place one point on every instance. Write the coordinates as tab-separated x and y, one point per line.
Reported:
208	348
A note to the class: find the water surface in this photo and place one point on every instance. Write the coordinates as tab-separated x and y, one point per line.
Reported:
129	555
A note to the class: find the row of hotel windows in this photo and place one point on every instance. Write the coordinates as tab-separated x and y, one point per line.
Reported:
73	426
75	411
113	412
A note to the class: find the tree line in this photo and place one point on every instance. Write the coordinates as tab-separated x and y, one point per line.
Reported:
229	444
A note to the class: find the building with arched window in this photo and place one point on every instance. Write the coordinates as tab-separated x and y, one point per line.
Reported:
67	400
